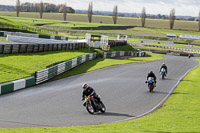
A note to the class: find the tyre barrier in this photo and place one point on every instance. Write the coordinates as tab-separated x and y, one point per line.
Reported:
48	73
123	53
12	86
168	47
32	48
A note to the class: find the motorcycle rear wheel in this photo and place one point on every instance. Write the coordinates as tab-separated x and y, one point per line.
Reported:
163	76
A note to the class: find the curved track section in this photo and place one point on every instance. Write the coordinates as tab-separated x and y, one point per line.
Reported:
121	87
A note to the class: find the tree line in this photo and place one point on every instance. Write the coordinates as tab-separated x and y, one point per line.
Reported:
47	7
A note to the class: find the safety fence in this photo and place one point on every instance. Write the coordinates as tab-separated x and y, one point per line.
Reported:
19	27
55	70
169	47
52	71
31	48
12	86
123	53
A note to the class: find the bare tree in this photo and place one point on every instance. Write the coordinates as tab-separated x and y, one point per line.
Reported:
115	14
172	18
143	16
65	12
199	20
17	7
41	9
90	12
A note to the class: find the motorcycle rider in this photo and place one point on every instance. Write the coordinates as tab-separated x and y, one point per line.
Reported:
87	90
151	74
165	67
189	56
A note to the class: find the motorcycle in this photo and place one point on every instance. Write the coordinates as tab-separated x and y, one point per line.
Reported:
150	83
93	105
163	73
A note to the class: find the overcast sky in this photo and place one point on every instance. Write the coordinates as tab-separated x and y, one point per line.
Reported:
182	7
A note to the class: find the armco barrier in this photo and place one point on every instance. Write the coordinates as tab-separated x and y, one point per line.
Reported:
17	85
123	53
46	74
167	47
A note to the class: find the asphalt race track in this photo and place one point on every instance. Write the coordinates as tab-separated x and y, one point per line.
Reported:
122	88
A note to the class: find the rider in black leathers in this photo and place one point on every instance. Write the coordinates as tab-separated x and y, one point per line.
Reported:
151	74
164	66
87	90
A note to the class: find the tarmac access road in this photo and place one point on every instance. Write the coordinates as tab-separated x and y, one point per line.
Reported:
122	88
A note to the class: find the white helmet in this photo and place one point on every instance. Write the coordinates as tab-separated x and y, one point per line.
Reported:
85	86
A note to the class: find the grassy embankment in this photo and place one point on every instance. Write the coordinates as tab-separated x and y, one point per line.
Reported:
10	25
16	66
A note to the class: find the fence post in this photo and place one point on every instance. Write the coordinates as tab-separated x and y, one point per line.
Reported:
65	46
3	49
52	47
19	49
38	50
11	48
33	48
47	47
26	48
57	47
43	47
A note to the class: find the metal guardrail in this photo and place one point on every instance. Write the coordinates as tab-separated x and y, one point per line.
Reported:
168	47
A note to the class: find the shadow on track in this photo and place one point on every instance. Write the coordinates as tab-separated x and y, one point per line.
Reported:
116	114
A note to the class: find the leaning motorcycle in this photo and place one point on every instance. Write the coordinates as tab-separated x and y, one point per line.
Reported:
163	73
93	105
150	83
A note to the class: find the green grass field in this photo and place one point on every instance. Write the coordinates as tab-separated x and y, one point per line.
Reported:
10	25
18	66
110	30
163	24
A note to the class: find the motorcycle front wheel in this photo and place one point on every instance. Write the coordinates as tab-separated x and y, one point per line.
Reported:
90	108
150	87
103	108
